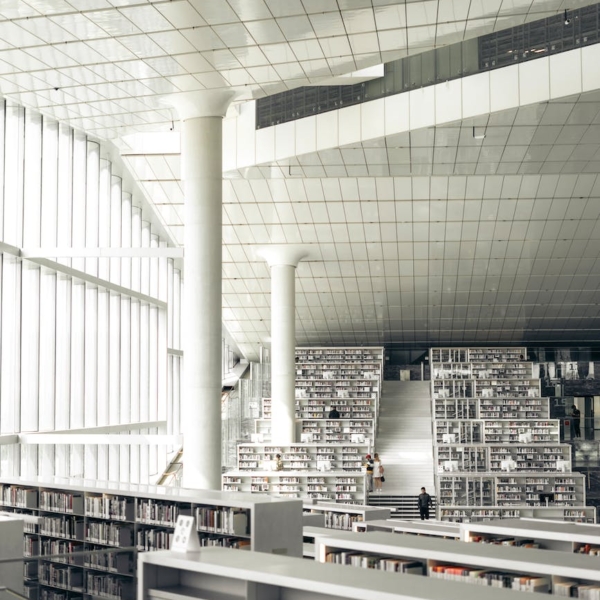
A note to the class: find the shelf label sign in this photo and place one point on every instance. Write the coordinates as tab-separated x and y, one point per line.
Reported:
185	538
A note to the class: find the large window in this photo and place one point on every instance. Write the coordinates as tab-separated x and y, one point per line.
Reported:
85	341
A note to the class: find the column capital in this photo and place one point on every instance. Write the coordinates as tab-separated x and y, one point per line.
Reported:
200	103
283	254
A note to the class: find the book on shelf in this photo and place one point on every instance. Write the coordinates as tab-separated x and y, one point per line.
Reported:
233	521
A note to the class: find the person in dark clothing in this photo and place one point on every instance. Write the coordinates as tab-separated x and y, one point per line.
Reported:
424	502
576	420
369	466
333	413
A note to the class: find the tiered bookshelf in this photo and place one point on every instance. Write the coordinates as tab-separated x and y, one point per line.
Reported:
491	408
513	495
327	463
333	486
348	378
105	526
498	454
303	457
466	458
318	408
327	431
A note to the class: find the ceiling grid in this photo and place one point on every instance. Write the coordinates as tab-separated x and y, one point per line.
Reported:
485	230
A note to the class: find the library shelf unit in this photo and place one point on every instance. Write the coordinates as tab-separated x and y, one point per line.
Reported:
343	516
490	420
109	523
353	358
491	408
524	569
344	458
502	431
219	574
466	514
318	408
333	486
513	491
485	371
541	458
575	538
348	378
480	355
324	431
486	388
429	528
13	568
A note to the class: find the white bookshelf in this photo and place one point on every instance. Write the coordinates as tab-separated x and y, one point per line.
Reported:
493	437
525	431
540	458
333	486
482	355
513	408
549	535
550	570
488	370
218	574
486	388
347	378
344	516
105	525
491	408
459	431
12	565
465	514
324	431
511	490
318	408
346	457
429	528
503	431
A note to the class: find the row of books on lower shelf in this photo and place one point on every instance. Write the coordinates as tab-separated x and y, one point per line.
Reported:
491	578
372	561
464	574
340	520
504	541
460	515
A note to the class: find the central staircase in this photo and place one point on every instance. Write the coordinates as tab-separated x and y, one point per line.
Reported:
405	445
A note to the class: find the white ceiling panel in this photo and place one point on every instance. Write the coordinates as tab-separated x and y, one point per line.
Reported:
418	238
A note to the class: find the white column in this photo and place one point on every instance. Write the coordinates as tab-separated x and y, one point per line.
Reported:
283	261
201	114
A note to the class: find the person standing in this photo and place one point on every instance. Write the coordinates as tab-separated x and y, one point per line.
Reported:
278	463
424	503
334	413
377	472
576	419
369	472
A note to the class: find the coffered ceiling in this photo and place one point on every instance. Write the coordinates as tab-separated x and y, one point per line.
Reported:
433	236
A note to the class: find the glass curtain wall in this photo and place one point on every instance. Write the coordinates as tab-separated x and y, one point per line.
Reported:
80	347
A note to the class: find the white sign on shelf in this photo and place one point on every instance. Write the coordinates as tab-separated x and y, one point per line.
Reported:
185	538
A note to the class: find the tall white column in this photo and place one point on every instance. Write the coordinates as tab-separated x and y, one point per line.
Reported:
201	114
283	261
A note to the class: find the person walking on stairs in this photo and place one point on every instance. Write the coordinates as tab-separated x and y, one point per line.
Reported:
575	420
424	503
